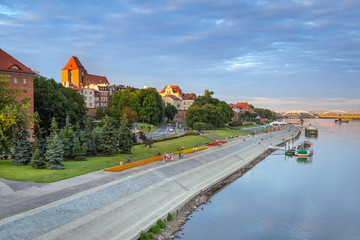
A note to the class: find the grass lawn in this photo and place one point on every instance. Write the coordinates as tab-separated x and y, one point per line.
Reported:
227	132
144	127
76	168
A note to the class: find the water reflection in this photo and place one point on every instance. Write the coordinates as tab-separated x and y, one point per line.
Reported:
307	160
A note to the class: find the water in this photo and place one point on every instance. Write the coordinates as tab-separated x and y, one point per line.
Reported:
282	198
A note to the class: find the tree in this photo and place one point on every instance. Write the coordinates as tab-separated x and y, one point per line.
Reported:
125	98
99	114
22	146
11	112
125	137
39	134
54	155
152	107
211	111
89	137
51	99
108	144
130	114
170	111
37	159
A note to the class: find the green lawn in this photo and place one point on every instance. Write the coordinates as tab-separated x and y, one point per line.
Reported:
227	133
76	168
144	127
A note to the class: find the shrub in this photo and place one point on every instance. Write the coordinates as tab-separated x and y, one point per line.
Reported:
161	223
199	126
189	133
155	229
170	217
143	235
151	236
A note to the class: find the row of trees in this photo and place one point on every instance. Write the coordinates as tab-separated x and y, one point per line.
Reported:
71	142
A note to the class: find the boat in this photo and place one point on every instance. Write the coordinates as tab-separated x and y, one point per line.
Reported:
311	131
341	120
304	150
289	149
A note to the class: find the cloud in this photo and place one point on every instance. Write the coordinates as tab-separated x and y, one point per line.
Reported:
250	48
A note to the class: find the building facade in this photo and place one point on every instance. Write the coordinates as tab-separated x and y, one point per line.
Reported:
95	89
172	94
20	78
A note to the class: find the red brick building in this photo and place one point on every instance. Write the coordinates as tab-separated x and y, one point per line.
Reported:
21	78
98	89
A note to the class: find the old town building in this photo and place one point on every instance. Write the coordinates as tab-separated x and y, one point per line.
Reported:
172	94
20	77
95	89
240	108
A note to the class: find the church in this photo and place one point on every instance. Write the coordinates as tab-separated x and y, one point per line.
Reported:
95	89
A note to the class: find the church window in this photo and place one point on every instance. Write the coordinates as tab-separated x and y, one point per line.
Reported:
15	80
24	81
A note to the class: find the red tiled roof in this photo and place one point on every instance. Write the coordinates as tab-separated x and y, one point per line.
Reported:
8	63
243	105
189	96
73	63
95	79
173	97
174	88
234	106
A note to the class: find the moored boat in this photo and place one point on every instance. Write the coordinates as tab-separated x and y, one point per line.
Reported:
304	150
311	131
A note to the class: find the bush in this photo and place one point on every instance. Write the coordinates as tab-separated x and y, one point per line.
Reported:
199	126
236	124
170	217
100	124
143	235
151	236
161	223
155	229
189	133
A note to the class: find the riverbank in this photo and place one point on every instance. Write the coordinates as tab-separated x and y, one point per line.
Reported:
183	213
122	208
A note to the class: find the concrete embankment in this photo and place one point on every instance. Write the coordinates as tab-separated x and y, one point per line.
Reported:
123	208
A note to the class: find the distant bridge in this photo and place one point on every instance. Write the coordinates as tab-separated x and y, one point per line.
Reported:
340	114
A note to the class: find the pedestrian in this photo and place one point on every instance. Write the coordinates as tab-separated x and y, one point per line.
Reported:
182	154
130	160
179	154
164	157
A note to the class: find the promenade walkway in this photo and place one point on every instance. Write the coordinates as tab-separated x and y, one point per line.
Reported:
105	205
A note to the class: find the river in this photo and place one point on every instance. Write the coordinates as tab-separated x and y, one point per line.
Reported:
282	198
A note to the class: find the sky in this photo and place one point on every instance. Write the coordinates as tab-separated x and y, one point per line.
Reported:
278	54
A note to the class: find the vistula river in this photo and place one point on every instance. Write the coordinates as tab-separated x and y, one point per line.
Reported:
283	198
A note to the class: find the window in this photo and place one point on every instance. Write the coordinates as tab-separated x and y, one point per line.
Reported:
14	67
90	98
85	98
15	80
90	104
85	92
90	92
24	81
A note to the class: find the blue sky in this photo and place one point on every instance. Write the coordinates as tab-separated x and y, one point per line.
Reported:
279	54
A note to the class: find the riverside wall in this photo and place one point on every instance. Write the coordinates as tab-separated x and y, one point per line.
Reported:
123	208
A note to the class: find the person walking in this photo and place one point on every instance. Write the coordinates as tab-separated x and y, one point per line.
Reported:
179	154
130	160
164	157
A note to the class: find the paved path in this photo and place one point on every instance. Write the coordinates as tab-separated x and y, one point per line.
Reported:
104	205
